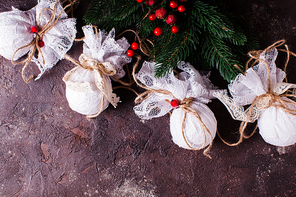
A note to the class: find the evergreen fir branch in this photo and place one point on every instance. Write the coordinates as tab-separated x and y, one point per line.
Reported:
220	56
206	36
216	23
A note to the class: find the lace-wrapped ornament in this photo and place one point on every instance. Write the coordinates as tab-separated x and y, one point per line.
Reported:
275	114
88	86
22	31
192	124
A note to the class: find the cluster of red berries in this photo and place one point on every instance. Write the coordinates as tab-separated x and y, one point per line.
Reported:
161	13
35	30
130	52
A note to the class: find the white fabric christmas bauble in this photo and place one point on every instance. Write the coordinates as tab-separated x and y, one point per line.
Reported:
194	132
190	85
16	33
278	127
89	84
82	93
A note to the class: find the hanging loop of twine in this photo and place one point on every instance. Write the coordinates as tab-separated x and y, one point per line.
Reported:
274	97
72	3
34	44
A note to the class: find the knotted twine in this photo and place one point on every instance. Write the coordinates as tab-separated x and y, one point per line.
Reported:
184	105
274	95
39	36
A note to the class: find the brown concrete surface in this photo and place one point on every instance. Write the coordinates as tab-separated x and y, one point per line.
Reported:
46	149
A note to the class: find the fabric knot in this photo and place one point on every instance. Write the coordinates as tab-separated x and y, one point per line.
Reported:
103	68
186	102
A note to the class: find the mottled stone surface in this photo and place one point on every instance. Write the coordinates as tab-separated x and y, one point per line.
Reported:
46	149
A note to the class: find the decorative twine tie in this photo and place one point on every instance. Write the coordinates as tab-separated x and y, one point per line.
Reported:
34	45
273	97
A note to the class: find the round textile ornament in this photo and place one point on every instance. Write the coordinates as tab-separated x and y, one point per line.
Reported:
277	127
88	86
268	97
192	124
44	32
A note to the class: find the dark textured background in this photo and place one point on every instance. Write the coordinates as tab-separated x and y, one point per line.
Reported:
46	149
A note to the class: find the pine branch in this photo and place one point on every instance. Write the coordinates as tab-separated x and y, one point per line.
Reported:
205	36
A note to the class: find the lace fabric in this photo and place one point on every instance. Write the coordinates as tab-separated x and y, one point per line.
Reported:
88	87
103	48
245	88
190	84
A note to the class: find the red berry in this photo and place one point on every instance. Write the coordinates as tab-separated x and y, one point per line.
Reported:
150	2
171	19
183	0
174	4
158	31
135	45
181	8
174	103
174	29
161	13
130	53
41	43
34	29
140	1
152	17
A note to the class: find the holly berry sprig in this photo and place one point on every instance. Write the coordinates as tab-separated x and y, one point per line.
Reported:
166	13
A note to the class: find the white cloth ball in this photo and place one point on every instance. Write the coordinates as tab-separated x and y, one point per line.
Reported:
193	130
86	101
277	127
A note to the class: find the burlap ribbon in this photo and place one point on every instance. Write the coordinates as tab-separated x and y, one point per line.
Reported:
102	72
276	96
184	105
34	46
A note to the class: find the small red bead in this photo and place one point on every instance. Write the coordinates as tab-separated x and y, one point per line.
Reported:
41	43
174	4
130	53
34	29
140	1
158	31
150	2
174	29
174	103
181	8
161	13
152	17
135	45
171	19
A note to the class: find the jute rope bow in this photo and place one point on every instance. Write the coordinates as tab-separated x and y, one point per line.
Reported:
100	69
34	44
275	96
184	105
